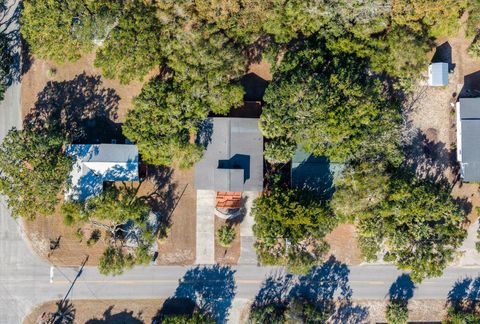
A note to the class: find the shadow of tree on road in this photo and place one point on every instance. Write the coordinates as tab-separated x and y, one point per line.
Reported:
402	289
211	288
465	295
9	17
326	286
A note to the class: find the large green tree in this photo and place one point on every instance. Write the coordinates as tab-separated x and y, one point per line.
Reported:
414	221
290	226
134	46
331	105
33	171
124	218
438	17
64	30
422	227
161	122
397	312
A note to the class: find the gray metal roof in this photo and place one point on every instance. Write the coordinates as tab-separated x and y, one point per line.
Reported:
471	149
233	159
469	108
438	74
470	138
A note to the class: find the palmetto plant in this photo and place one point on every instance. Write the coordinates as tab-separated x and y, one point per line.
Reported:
226	235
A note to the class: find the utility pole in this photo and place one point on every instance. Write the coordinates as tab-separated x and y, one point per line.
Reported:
79	273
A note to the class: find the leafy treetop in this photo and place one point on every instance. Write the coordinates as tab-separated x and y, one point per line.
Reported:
34	170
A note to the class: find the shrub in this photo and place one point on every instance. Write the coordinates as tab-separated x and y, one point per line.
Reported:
397	313
226	235
94	237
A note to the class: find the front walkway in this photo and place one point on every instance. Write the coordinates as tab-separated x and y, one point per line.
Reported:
247	251
205	251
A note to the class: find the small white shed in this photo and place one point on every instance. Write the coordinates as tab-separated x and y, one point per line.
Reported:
438	74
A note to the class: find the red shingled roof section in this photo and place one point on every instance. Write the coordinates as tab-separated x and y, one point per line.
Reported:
228	199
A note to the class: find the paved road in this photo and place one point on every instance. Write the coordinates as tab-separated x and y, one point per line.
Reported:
25	279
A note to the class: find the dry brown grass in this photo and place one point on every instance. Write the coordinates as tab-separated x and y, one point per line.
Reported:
231	254
112	311
343	244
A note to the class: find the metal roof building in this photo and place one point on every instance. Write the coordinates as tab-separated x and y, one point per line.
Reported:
233	160
438	74
468	138
95	164
314	173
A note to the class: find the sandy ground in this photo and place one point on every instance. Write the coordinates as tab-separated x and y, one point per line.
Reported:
432	121
35	80
344	245
231	254
171	195
426	311
179	247
142	311
105	311
261	69
72	249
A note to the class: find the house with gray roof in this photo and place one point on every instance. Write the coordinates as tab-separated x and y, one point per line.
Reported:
233	159
438	74
95	164
468	138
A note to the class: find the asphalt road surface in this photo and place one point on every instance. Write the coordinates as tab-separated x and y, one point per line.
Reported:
26	281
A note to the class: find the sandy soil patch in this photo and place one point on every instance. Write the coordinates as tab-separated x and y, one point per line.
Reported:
262	69
231	254
419	311
171	195
343	244
179	247
105	311
72	248
37	77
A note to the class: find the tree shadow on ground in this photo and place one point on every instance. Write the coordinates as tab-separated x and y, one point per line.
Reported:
83	110
175	306
254	86
163	198
126	317
471	85
211	288
443	54
254	50
326	286
465	294
402	289
65	313
429	158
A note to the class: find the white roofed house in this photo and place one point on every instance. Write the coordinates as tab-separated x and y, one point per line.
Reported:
468	138
95	164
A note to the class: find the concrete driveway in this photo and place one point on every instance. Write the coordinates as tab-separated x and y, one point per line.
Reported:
205	243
